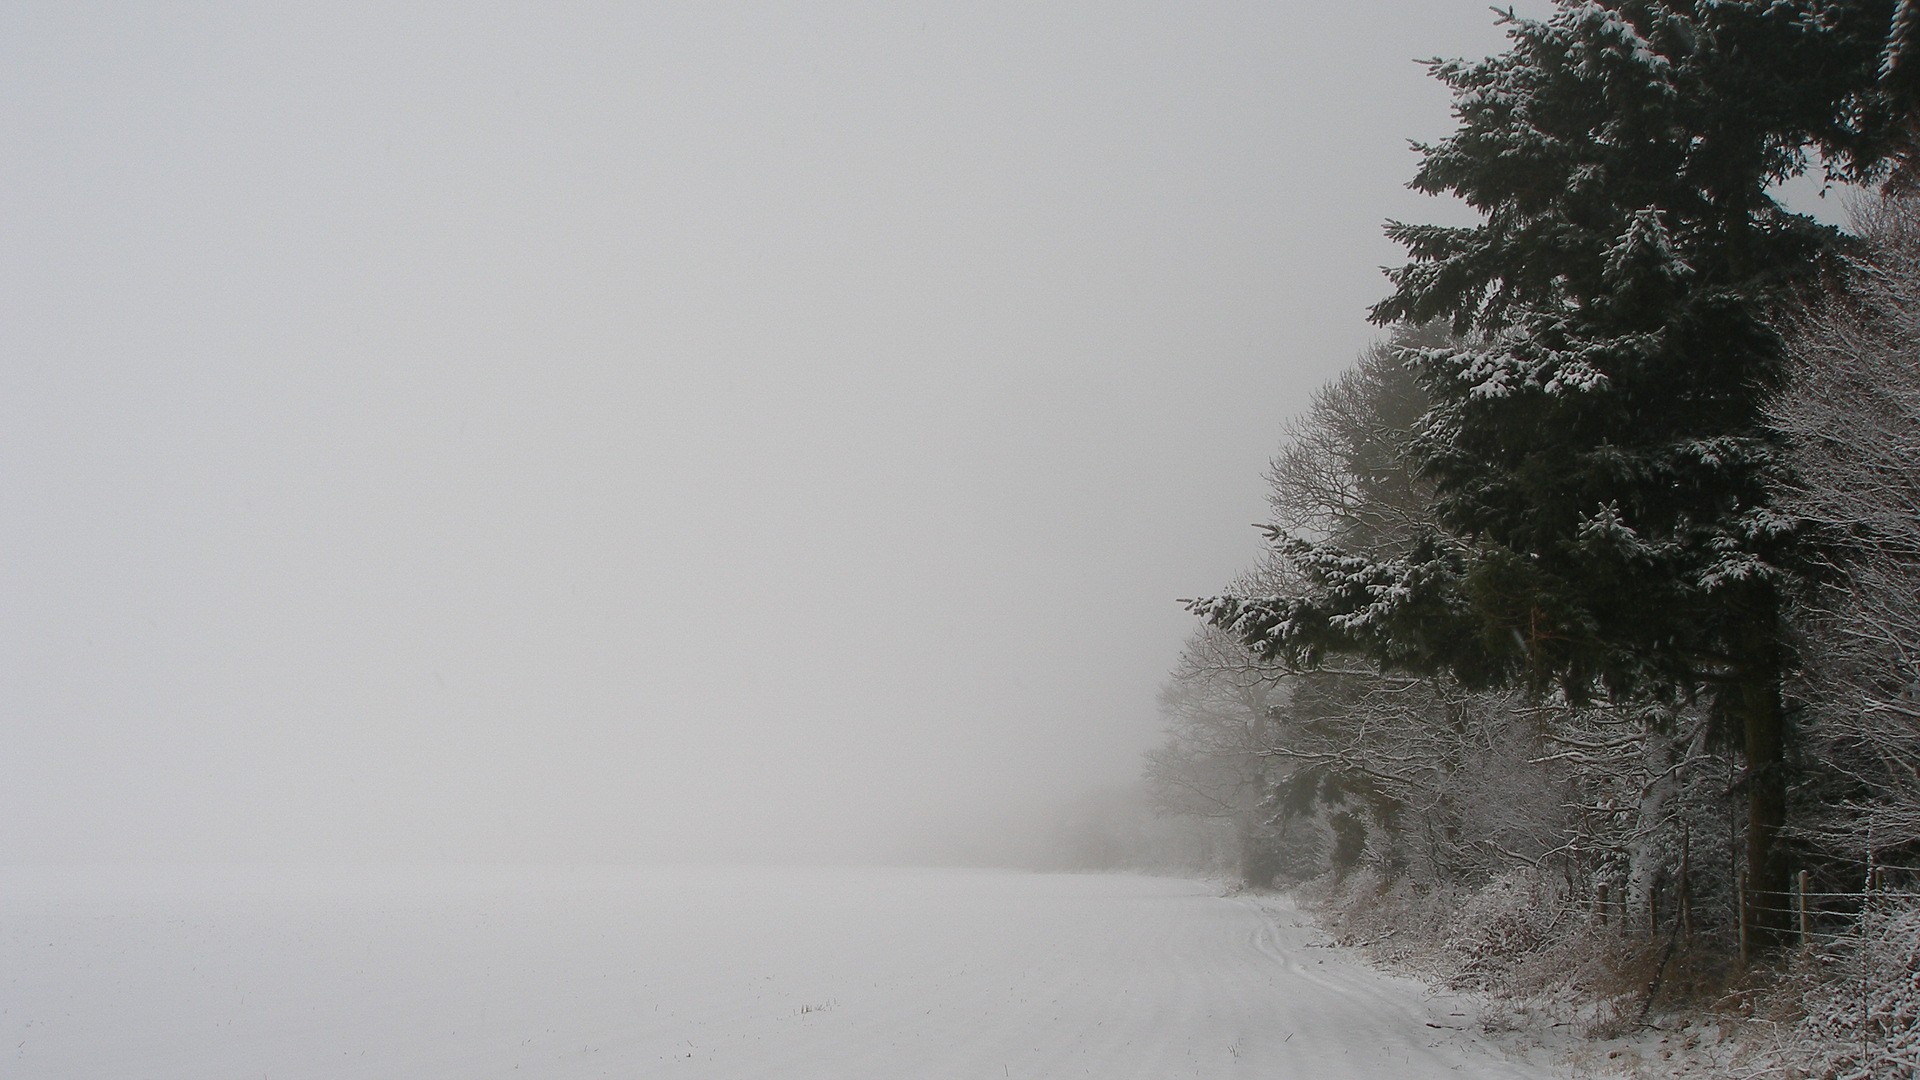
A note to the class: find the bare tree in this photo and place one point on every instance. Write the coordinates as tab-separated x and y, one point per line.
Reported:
1219	706
1853	423
1346	472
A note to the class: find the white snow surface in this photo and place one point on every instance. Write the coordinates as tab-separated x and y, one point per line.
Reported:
694	972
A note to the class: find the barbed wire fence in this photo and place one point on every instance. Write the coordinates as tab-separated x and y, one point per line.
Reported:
1861	1012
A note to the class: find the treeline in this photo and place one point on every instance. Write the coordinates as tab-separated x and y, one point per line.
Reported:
1341	763
1600	579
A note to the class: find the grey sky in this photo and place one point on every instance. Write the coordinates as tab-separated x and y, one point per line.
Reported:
601	430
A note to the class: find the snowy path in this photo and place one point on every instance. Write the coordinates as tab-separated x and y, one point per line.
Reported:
694	973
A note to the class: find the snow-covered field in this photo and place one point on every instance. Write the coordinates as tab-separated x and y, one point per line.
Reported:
704	972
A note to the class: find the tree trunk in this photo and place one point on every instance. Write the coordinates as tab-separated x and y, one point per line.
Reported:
1755	705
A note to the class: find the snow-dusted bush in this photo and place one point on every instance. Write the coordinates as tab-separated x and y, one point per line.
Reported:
1540	962
1860	1009
1393	918
1516	914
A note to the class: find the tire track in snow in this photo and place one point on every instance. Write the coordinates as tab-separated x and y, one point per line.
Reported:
1416	1029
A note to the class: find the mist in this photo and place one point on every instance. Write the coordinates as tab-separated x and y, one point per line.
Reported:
634	432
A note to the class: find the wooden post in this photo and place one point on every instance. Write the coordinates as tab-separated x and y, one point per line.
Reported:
1600	901
1686	890
1572	863
1805	937
1873	876
1745	948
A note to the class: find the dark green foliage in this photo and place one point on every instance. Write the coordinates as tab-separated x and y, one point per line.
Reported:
1603	475
1349	840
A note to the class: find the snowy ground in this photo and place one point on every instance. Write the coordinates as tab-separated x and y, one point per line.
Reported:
700	973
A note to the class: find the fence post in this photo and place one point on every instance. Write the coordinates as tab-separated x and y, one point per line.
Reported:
1866	918
1600	901
1873	876
1742	888
1686	890
1806	939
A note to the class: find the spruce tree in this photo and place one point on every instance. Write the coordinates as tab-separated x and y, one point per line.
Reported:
1597	437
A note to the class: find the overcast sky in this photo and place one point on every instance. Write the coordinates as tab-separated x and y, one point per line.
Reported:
621	430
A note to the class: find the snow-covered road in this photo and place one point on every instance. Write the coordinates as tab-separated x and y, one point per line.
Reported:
698	973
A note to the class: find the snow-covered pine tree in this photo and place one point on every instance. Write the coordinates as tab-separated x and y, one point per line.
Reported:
1605	477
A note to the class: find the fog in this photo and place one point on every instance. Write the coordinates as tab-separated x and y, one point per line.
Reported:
599	432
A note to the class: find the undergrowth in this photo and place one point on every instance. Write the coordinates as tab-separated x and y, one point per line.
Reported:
1650	1005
